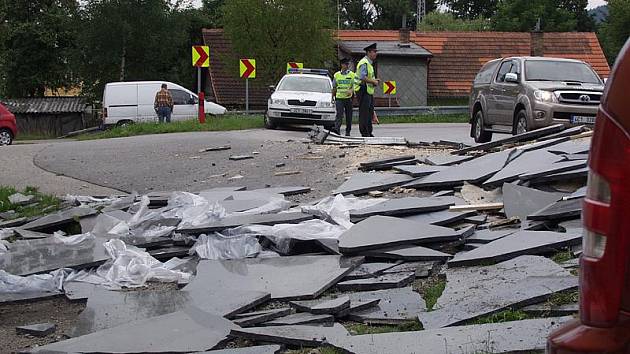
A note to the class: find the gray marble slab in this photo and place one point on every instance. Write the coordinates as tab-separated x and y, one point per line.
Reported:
411	253
580	173
420	269
472	292
37	330
30	234
446	159
508	337
256	318
571	147
526	162
286	191
301	318
403	206
386	160
557	167
487	236
235	221
295	277
300	336
527	136
261	349
440	218
378	232
563	209
389	165
386	281
514	245
30	296
473	171
369	270
395	306
419	170
545	309
52	221
322	307
362	183
520	201
190	330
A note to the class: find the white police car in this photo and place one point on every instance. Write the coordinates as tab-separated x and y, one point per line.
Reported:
303	96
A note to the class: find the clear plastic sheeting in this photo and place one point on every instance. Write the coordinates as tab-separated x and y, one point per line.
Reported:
193	210
132	267
275	205
337	209
282	235
74	239
5	233
218	246
52	282
88	200
110	226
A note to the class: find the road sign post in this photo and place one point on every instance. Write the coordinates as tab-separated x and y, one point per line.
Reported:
201	59
389	88
248	71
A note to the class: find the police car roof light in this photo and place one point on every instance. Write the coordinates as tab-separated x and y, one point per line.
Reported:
308	71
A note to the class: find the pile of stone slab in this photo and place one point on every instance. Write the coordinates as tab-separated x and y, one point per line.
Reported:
284	276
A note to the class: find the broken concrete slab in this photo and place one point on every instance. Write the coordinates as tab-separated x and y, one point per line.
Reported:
420	269
580	173
419	170
301	318
520	201
322	307
21	199
14	222
360	305
563	209
261	349
530	135
191	330
302	277
52	222
487	236
30	234
395	306
581	146
240	157
386	160
235	221
554	168
286	191
473	171
409	253
440	218
516	244
362	183
403	206
37	330
252	319
472	292
377	232
526	162
546	309
369	270
30	296
507	337
446	160
301	336
387	281
388	166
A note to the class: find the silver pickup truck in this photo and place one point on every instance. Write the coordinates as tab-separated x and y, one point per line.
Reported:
517	94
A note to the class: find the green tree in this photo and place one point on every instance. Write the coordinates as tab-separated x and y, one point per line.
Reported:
471	9
523	15
390	13
212	12
38	38
356	14
614	32
585	22
277	31
440	21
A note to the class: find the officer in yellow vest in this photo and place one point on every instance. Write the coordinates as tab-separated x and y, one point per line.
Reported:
343	90
364	84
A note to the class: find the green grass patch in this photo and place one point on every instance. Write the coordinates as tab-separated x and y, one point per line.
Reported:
45	203
562	257
33	136
361	328
503	316
453	101
432	292
564	298
426	118
223	123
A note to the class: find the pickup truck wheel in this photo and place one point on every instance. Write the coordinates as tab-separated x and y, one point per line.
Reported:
6	138
479	133
520	126
270	123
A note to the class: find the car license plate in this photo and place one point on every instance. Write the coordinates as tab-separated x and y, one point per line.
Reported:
582	119
302	110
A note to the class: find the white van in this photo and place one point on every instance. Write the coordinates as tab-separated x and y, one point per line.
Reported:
128	102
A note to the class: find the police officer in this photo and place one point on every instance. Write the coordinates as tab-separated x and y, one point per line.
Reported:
343	90
365	82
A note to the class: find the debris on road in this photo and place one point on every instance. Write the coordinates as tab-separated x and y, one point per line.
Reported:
215	148
240	157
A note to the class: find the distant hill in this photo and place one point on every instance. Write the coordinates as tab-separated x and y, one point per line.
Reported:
599	14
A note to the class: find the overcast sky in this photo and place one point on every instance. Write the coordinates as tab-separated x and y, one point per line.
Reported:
591	3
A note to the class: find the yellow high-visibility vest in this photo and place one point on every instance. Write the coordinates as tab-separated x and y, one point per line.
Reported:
345	83
357	79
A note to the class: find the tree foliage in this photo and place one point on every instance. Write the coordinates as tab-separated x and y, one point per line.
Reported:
523	15
275	32
471	9
615	31
38	38
380	14
441	21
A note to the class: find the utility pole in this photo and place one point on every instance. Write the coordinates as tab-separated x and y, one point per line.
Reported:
422	11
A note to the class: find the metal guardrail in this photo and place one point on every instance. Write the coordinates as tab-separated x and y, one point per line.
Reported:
397	111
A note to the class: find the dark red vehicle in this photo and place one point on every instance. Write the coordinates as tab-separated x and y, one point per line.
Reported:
604	323
8	127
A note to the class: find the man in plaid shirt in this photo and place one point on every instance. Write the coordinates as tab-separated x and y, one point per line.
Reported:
163	104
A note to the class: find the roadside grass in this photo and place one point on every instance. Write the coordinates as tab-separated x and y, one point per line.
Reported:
503	316
562	257
241	122
564	298
432	292
454	101
34	136
360	328
45	203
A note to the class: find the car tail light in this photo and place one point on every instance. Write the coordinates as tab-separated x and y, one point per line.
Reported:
607	224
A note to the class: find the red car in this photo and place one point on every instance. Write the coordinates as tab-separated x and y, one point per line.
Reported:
604	323
8	127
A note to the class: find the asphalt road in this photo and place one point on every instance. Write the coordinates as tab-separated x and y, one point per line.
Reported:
173	162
